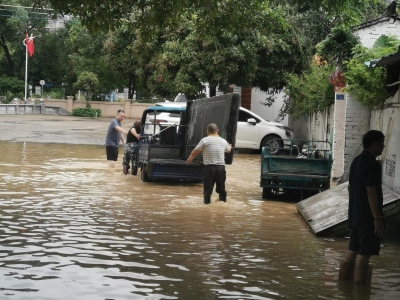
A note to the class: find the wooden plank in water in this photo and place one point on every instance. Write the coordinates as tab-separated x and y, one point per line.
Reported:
326	212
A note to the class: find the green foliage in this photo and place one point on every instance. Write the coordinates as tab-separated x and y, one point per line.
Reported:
14	20
87	112
85	53
346	12
11	87
152	15
50	60
368	84
80	97
54	93
338	47
309	93
88	82
11	84
119	56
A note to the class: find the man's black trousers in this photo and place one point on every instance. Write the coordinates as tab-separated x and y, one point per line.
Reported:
214	174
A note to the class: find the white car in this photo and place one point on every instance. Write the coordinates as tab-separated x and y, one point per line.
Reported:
253	132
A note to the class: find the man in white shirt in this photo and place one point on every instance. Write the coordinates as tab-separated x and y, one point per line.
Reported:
214	148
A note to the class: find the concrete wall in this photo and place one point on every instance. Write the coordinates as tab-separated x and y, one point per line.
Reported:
270	113
357	123
109	109
388	121
315	127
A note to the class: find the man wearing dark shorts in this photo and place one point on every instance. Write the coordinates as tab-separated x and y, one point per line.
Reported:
365	210
213	147
114	136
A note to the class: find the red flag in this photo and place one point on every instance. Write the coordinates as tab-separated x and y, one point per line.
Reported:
29	44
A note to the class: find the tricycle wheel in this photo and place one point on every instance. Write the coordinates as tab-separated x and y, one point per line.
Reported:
267	193
144	175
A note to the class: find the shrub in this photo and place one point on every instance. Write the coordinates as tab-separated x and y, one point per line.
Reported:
55	93
87	112
368	84
309	93
87	81
11	87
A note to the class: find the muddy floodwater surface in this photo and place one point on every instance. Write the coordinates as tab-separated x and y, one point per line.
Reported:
71	228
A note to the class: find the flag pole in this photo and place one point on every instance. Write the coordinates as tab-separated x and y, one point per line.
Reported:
26	70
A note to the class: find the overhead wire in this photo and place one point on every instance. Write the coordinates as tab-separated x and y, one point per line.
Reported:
12	9
19	6
30	14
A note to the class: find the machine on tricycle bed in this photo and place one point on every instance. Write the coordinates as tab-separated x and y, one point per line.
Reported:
301	165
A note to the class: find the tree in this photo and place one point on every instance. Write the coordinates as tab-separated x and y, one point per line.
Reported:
309	93
85	52
120	58
13	25
50	59
88	82
11	87
338	48
153	15
368	84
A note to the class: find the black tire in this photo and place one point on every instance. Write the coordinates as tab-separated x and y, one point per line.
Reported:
144	173
266	193
273	142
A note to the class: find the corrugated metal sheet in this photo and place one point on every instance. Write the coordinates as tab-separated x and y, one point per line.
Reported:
389	59
222	110
327	213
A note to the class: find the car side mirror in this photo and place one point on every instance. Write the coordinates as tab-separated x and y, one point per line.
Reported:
252	121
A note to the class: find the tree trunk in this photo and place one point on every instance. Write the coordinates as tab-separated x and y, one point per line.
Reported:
131	86
213	91
7	54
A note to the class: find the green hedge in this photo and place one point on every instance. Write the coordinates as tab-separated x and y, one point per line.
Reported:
87	112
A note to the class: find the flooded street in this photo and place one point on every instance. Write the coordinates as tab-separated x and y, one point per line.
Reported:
71	228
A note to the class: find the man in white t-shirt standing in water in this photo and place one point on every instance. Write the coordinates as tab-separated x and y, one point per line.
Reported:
213	148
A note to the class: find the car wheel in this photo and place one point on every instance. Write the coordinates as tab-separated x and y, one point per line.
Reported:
273	142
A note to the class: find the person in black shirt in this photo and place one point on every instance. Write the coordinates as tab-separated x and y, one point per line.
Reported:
131	150
365	210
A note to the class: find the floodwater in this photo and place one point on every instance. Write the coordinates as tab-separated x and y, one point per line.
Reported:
71	228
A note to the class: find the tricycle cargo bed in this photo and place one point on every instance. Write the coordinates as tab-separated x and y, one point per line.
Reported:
174	169
300	165
290	164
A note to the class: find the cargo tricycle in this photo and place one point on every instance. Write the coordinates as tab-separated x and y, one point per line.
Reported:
165	147
300	165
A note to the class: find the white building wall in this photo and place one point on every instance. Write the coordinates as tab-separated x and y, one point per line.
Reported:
316	127
357	124
270	113
388	121
369	35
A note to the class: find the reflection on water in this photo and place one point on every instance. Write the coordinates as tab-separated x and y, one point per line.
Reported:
72	229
